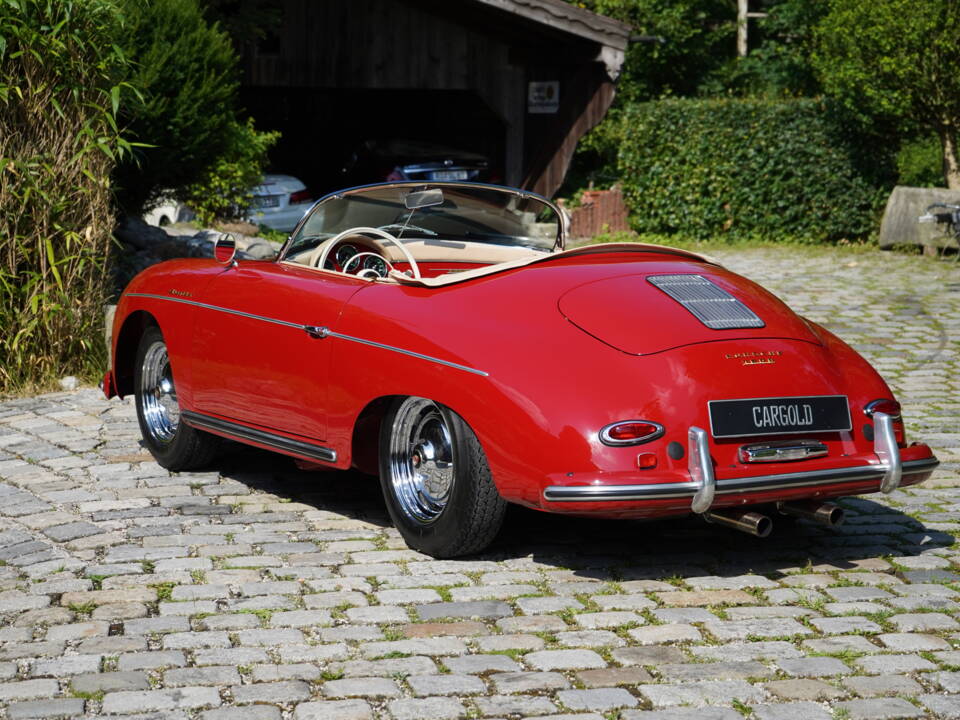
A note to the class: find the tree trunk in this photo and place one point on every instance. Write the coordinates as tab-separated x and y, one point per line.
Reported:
951	160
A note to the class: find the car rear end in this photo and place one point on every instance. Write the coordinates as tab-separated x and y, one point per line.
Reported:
279	202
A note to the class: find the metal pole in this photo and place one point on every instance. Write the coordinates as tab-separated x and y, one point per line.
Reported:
742	10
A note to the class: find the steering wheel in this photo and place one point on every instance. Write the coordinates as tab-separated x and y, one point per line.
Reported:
321	261
349	262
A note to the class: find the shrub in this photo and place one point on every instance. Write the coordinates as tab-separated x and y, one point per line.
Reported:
920	163
224	190
58	143
186	70
749	168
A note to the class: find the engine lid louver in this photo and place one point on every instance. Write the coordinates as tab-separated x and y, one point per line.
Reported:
709	303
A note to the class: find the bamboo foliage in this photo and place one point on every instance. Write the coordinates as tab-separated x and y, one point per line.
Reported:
58	144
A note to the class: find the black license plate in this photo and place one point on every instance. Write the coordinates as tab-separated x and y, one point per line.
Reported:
778	416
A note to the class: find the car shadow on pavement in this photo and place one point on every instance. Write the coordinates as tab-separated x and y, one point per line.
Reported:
619	550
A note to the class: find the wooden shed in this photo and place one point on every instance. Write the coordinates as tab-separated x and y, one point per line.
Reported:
519	81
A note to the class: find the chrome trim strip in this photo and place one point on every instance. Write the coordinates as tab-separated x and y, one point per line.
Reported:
411	353
279	442
666	491
318	332
701	470
885	446
781	451
605	438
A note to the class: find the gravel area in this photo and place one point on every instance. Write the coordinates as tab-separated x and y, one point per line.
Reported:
260	592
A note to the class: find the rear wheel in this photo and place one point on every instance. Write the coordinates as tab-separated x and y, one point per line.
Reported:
436	481
175	445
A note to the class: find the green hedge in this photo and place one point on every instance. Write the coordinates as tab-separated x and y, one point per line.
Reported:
749	168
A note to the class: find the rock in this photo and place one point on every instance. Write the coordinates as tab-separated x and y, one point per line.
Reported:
134	231
905	205
69	382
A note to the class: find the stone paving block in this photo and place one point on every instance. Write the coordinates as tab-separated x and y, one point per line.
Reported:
708	692
541	605
392	666
466	628
564	660
602	699
873	685
885	709
803	689
417	646
210	675
482	609
371	687
946	706
704	598
791	711
912	622
470	664
913	642
673	632
333	710
814	667
428	685
763	650
649	655
109	682
892	664
733	670
186	698
524	705
949	681
609	619
518	641
761	628
46	709
704	713
285	692
839	644
844	625
256	712
507	683
434	708
28	689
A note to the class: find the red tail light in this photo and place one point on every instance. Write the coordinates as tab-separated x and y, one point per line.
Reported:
884	405
630	432
300	196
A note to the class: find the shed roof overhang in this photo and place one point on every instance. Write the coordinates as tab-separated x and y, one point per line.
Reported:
611	35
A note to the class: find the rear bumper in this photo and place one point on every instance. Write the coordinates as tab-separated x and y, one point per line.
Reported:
857	475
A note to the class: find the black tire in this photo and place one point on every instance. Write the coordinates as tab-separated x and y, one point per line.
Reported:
175	445
466	512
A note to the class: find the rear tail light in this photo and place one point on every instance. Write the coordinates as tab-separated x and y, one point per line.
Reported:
884	405
630	432
300	196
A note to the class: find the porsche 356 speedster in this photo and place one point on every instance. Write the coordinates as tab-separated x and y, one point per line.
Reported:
441	336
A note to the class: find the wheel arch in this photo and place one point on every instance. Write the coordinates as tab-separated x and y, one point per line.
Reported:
365	440
125	349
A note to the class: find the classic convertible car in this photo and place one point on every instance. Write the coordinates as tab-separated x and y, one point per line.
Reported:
440	335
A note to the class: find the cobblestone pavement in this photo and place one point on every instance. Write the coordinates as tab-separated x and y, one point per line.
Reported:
260	592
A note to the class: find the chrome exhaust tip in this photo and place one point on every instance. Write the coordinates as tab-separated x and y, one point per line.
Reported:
822	513
752	523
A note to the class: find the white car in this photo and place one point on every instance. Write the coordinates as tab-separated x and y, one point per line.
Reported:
279	202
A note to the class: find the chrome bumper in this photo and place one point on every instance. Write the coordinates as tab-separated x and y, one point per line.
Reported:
703	486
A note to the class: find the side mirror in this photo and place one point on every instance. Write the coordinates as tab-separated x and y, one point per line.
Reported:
225	250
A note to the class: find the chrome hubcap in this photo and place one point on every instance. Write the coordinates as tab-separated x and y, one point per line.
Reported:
158	395
421	460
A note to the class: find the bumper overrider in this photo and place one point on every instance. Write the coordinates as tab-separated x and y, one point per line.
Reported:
703	487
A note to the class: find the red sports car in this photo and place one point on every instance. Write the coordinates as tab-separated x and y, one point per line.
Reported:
440	335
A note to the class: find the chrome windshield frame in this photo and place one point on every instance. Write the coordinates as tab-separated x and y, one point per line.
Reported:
562	224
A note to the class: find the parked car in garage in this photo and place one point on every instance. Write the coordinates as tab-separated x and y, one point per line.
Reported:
440	335
279	202
398	160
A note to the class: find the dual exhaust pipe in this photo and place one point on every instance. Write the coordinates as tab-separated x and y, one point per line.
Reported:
760	525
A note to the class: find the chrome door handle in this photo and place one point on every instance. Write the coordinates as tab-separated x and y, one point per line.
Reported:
315	331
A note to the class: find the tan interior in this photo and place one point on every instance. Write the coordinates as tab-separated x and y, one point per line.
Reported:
497	258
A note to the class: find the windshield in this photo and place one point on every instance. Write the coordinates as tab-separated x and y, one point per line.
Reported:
435	211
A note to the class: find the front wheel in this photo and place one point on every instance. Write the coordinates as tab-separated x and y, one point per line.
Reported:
436	481
175	445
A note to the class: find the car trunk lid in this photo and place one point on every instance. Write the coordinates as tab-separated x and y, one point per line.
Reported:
645	313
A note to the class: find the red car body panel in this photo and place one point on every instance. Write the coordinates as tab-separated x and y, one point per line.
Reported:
536	359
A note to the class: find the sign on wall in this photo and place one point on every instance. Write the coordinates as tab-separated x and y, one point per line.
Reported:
543	98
